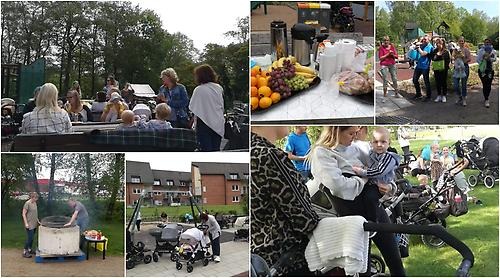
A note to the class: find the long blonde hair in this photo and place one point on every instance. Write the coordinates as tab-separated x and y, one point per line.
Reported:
329	138
47	98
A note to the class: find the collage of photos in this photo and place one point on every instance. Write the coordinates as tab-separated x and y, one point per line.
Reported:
245	138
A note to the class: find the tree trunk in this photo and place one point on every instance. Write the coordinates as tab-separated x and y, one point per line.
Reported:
51	183
62	66
117	174
90	185
35	179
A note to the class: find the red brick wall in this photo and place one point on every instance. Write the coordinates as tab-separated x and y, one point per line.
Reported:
215	189
130	196
230	193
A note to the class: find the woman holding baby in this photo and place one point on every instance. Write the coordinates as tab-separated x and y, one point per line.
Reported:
332	159
486	56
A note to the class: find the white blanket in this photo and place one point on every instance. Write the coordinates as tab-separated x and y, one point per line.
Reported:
207	103
339	242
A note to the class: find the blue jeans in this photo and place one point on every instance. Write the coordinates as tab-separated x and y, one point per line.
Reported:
463	92
29	241
416	76
208	139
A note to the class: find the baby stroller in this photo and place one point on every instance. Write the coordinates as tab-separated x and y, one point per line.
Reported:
193	247
136	253
342	16
242	232
484	159
167	239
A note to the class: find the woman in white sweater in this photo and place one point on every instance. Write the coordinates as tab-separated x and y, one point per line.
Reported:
331	159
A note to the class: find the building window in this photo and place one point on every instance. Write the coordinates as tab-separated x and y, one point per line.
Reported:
136	191
204	189
170	183
236	199
156	182
204	200
235	187
135	179
245	176
233	176
183	183
157	193
135	202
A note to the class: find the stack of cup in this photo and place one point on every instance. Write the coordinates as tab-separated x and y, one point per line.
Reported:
329	61
347	49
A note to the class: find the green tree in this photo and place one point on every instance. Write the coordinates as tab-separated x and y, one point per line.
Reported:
473	28
383	26
402	12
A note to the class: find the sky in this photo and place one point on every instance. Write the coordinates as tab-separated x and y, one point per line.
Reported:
202	21
489	7
182	161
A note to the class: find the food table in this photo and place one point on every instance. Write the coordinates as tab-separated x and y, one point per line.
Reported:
95	241
318	105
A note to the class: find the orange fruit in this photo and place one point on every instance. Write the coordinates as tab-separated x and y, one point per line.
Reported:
257	76
254	102
275	97
264	91
264	73
261	82
255	70
253	91
253	81
265	102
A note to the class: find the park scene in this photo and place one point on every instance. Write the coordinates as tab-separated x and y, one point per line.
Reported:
441	177
314	55
63	214
188	216
76	76
437	62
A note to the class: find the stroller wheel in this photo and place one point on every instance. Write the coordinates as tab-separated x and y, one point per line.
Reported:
178	266
489	181
472	179
377	265
189	268
431	240
173	257
205	261
130	264
147	259
155	257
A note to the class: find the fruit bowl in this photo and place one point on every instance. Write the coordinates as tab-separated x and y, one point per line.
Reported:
312	85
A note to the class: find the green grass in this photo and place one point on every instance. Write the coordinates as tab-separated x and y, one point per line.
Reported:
14	234
478	229
182	210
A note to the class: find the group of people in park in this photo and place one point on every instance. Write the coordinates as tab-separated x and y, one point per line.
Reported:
439	56
204	111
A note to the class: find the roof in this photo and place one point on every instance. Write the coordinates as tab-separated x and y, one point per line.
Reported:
163	175
411	26
222	168
142	169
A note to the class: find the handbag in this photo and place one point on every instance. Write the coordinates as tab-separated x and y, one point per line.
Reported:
438	65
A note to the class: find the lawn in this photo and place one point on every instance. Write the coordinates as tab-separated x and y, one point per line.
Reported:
478	229
154	212
14	234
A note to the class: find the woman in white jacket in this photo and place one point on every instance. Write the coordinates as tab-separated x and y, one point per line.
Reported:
331	159
214	232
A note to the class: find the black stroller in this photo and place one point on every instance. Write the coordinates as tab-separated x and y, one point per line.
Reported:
167	238
242	232
484	159
138	252
342	15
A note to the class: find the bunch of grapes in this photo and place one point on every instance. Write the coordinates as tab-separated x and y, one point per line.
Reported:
280	77
297	83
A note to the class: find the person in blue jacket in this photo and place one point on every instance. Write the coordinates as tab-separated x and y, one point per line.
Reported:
424	50
175	95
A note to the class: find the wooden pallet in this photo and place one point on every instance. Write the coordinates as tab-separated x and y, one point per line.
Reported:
47	258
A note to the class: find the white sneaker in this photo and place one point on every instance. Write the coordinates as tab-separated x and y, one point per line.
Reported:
487	103
217	259
438	99
383	100
443	99
464	102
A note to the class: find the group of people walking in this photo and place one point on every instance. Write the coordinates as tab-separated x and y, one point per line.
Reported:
439	56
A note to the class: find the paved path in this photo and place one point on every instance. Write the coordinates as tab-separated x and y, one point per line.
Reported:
13	264
234	255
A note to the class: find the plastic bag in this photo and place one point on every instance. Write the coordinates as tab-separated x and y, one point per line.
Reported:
358	63
352	83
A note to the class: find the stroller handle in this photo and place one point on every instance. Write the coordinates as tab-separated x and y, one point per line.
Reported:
435	230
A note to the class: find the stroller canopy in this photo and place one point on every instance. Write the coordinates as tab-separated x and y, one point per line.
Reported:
490	150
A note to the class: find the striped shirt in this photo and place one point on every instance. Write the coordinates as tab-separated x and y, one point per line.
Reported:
42	121
382	166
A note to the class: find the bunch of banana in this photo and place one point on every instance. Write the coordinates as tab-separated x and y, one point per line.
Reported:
307	72
279	63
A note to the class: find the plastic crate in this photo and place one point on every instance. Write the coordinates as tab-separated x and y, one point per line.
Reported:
315	12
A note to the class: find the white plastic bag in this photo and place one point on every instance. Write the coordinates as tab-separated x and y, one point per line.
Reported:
358	63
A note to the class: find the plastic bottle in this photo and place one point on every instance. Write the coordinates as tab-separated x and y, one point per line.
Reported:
458	198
